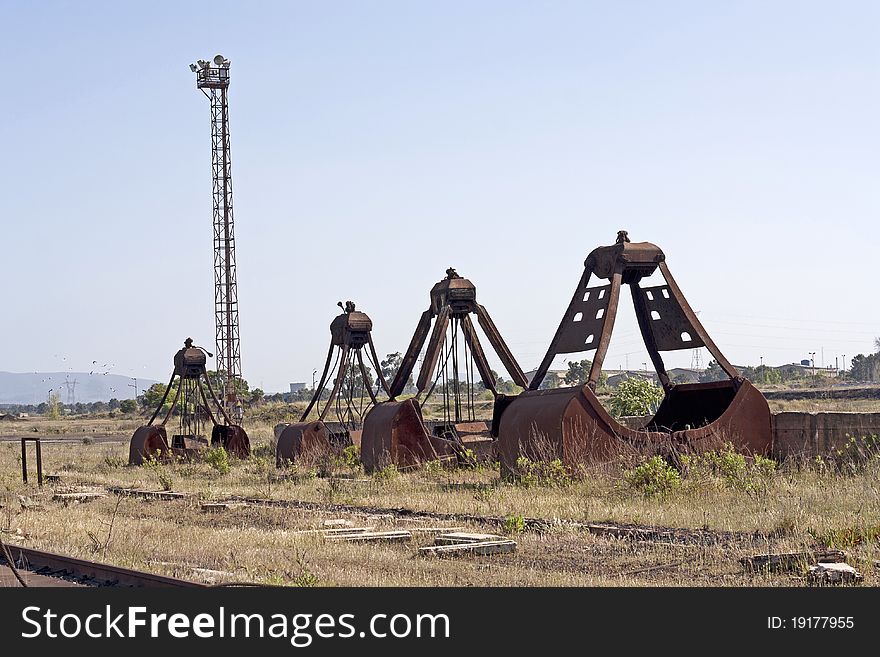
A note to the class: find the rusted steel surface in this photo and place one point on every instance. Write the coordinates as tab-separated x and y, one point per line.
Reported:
351	328
148	442
193	403
233	438
570	424
412	354
38	445
350	332
88	572
395	433
303	443
452	300
500	347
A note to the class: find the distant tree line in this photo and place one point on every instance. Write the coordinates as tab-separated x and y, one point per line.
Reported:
866	368
80	408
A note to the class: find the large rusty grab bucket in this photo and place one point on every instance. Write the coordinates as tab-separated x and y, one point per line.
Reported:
544	425
233	438
395	433
570	424
704	416
148	442
303	443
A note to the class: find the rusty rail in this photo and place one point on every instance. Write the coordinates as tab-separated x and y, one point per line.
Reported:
97	574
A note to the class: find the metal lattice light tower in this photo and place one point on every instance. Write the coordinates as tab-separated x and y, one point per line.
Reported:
213	80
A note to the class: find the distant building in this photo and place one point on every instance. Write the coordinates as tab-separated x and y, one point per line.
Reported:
795	370
296	387
684	375
615	377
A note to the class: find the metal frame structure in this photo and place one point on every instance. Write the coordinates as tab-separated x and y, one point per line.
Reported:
212	78
395	431
665	318
349	332
571	423
194	408
453	300
309	441
24	467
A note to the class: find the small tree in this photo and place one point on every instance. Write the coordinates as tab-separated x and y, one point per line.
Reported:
502	385
128	406
713	372
579	373
635	396
550	382
389	368
354	380
53	406
153	395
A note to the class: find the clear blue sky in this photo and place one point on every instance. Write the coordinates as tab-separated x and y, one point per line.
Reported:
375	144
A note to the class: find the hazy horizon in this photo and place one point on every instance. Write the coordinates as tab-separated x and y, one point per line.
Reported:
376	144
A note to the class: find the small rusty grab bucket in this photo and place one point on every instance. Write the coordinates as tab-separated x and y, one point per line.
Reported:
233	438
303	443
148	442
395	433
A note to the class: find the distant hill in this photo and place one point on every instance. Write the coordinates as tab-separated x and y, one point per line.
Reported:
33	387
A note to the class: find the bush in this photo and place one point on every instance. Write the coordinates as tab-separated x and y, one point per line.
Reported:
113	461
856	454
218	459
351	457
653	478
514	525
635	396
541	473
732	469
387	473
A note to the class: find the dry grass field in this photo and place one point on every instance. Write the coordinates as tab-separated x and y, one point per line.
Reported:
718	517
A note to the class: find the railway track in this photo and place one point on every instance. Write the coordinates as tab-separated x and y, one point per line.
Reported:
41	568
627	531
635	532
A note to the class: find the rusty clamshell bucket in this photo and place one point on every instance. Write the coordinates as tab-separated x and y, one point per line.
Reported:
148	442
570	424
303	443
395	433
151	441
233	438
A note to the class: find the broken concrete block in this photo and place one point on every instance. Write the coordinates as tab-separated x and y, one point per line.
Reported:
456	538
435	530
370	537
824	574
81	496
337	523
220	506
479	547
791	561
